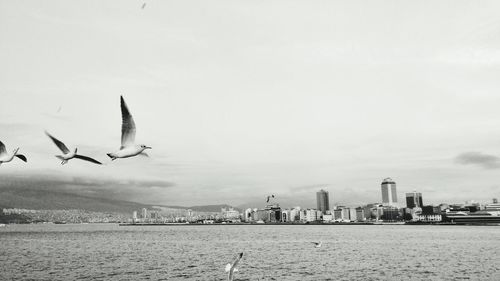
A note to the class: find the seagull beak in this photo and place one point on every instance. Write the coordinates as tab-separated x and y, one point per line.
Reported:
148	147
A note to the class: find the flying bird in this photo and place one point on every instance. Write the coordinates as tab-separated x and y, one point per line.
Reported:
268	197
231	268
143	5
128	147
317	244
7	157
67	154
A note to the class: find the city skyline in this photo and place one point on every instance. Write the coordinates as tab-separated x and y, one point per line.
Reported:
234	112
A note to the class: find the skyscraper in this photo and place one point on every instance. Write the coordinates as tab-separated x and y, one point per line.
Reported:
414	199
389	196
322	200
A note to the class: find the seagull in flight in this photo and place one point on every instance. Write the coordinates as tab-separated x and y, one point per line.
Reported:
7	157
268	197
67	154
128	147
143	5
231	268
317	244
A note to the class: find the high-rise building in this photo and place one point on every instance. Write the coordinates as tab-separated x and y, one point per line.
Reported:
389	196
414	199
322	200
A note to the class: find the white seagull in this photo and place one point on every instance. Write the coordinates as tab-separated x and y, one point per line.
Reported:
128	147
317	244
231	268
67	154
7	157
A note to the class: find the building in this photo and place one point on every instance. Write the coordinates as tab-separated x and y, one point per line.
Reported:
144	213
311	215
295	214
322	201
337	214
360	214
414	199
389	196
248	215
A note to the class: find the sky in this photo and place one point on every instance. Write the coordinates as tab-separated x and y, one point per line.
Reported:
241	99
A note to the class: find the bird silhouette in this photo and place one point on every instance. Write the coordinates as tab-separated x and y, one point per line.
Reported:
7	157
67	154
128	147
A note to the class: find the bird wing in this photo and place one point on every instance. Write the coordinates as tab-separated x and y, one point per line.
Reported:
233	266
237	260
87	159
128	125
58	143
2	148
22	157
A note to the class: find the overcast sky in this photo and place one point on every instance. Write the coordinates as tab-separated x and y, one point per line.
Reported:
240	99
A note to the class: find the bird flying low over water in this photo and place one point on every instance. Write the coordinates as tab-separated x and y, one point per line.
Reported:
231	268
317	244
7	157
67	154
128	147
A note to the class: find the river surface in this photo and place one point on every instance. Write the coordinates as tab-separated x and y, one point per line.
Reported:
271	252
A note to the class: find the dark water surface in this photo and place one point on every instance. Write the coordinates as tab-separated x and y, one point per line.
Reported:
271	252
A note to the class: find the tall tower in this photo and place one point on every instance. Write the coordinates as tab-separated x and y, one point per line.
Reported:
414	199
322	201
389	196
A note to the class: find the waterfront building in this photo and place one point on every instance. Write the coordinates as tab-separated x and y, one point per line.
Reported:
346	214
337	214
495	201
430	210
389	195
390	213
414	199
360	214
311	215
322	201
286	216
328	218
294	214
248	215
352	214
134	217
144	214
492	207
230	213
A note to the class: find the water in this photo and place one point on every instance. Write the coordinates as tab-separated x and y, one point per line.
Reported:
271	252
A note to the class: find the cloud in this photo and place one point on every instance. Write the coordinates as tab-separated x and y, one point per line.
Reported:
142	191
477	158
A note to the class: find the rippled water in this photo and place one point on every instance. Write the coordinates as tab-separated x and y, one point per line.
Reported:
271	252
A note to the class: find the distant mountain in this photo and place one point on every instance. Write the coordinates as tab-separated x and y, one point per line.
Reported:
204	208
53	193
47	194
31	198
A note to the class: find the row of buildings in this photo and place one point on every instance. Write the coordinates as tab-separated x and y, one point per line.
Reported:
389	210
